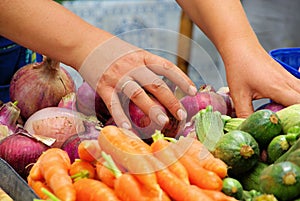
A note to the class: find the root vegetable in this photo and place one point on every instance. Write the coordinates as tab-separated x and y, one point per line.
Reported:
39	85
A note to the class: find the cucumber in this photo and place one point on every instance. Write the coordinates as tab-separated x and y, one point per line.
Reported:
232	187
239	150
282	180
277	147
250	180
263	125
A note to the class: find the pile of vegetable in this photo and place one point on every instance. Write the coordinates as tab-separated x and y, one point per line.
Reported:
68	143
112	170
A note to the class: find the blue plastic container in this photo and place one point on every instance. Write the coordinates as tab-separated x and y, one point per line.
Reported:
289	58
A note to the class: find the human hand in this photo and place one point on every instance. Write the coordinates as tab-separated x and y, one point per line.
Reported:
116	67
253	75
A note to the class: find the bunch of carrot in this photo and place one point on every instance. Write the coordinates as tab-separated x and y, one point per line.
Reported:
121	166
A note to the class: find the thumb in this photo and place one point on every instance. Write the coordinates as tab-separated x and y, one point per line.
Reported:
243	107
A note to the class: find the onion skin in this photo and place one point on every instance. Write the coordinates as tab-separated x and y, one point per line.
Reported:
20	152
39	85
9	115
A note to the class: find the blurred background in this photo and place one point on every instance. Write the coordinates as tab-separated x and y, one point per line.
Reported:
275	22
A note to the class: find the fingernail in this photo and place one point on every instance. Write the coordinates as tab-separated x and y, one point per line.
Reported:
125	125
162	119
181	114
192	90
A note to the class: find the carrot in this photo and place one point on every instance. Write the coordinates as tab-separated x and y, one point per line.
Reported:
105	175
132	153
89	150
126	185
55	164
200	176
197	150
218	195
128	188
35	171
82	169
93	190
37	187
161	149
177	189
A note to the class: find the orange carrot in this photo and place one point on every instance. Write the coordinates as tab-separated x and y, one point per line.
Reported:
105	175
162	150
82	169
35	171
128	188
218	195
197	150
132	153
177	189
37	188
93	190
55	164
89	150
199	176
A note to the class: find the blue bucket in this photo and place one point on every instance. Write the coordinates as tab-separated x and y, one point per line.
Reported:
289	58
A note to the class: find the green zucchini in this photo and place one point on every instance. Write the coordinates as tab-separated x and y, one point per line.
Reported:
293	148
232	187
294	157
289	116
277	147
282	180
239	150
263	125
250	180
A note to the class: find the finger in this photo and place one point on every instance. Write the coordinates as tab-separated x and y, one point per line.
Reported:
114	105
166	68
157	87
243	105
139	97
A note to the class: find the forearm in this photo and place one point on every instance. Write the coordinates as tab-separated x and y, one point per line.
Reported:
50	29
224	22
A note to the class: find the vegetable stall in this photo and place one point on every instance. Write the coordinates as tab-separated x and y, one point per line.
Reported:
68	148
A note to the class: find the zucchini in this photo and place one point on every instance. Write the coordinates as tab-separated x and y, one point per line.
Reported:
294	157
282	180
289	116
277	147
250	180
263	125
239	150
232	187
293	148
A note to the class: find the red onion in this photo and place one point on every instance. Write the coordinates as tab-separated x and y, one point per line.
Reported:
90	103
145	127
271	106
225	93
55	122
39	85
20	151
193	104
9	115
